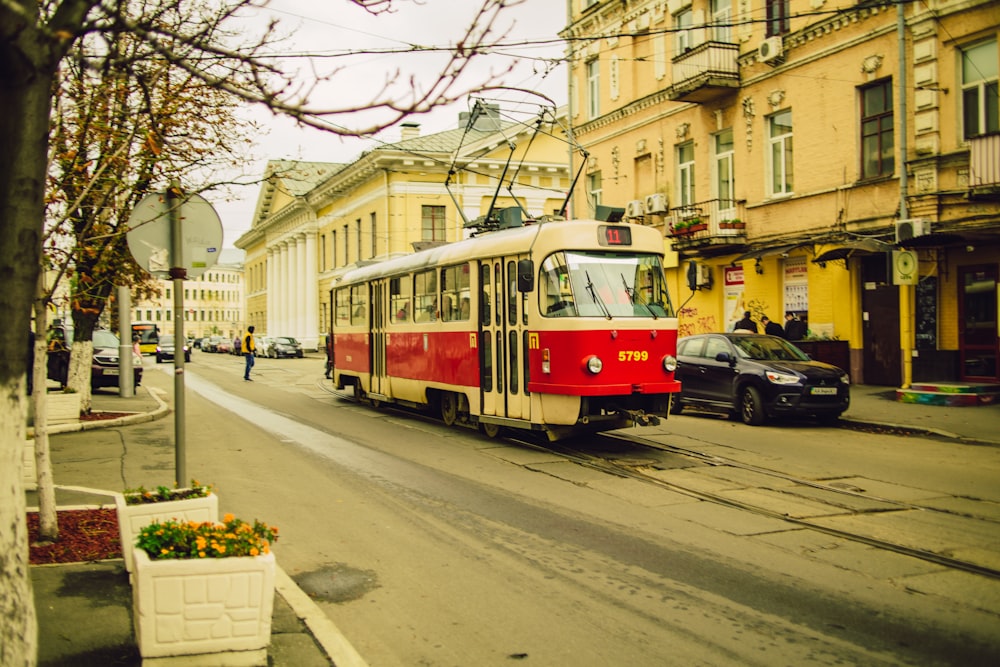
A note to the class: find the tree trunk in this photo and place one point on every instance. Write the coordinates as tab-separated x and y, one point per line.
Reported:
48	526
25	90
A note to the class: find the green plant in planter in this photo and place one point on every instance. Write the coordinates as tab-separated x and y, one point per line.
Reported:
141	496
232	538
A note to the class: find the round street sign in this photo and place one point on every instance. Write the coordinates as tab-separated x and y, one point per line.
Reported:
149	235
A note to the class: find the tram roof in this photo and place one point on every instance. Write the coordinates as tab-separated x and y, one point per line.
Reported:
504	242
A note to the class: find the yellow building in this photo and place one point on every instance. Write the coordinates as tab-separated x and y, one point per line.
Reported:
794	165
314	221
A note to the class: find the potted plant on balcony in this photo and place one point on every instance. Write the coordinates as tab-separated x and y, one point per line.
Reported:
204	588
696	225
681	228
139	507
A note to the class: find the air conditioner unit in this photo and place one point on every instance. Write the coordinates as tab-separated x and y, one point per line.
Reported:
656	203
704	275
771	50
908	229
634	209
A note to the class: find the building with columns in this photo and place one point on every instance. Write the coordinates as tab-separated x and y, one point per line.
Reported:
314	221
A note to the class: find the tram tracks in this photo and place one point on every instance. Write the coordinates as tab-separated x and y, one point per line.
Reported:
643	471
853	502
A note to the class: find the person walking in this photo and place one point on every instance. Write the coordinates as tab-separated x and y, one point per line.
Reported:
795	329
249	352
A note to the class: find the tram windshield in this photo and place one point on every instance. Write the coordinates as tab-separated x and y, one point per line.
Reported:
603	284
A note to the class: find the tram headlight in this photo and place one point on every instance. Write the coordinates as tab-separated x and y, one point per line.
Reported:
669	363
594	364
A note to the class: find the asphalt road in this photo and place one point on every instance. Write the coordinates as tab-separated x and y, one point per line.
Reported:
435	546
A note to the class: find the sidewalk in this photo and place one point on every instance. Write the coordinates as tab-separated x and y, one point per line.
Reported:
85	609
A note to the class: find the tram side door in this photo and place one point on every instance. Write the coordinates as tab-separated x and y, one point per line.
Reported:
378	298
503	341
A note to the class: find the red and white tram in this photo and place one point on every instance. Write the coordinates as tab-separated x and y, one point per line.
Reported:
564	327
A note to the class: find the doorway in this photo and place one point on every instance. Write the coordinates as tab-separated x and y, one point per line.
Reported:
881	360
977	313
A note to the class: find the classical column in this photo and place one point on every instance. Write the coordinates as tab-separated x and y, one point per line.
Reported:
311	295
270	291
300	286
287	271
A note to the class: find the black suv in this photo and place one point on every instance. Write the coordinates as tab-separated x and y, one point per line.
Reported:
104	366
755	377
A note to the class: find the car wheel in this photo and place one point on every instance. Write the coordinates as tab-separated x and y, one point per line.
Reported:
751	407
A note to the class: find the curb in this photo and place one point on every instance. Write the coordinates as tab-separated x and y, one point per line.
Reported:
136	418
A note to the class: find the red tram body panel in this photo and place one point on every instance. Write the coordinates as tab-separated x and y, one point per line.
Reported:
561	327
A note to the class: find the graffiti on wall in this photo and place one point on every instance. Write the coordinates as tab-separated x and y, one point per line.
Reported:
690	322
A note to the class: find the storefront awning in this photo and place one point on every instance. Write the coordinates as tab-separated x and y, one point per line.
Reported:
844	249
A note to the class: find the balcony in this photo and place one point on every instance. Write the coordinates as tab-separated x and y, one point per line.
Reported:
705	72
984	167
713	225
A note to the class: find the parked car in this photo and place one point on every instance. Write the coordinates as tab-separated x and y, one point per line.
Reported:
224	346
104	369
166	349
754	377
208	343
263	345
284	346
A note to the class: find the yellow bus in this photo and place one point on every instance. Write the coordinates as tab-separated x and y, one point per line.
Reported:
149	336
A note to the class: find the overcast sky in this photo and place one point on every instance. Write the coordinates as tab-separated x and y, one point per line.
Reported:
330	28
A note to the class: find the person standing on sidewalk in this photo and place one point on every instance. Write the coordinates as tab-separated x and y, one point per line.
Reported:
249	351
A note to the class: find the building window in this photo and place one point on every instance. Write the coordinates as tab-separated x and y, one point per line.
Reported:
980	95
594	188
374	229
725	181
877	152
685	174
347	248
333	248
432	223
357	240
593	89
721	11
322	252
778	17
683	21
779	137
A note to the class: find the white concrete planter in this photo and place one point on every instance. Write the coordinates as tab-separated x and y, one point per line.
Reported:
203	607
62	408
133	518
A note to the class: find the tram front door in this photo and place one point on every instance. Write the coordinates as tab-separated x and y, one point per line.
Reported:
503	359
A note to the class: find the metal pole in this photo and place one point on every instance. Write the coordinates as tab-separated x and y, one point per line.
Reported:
906	292
126	381
178	273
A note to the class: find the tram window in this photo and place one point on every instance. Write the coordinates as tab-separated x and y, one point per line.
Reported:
425	297
512	294
487	361
359	304
555	296
484	295
455	293
343	307
399	299
498	290
514	369
499	365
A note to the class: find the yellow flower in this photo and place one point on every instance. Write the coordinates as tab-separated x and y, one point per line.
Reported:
227	518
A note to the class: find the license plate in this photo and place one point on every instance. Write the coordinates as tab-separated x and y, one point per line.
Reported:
111	371
823	391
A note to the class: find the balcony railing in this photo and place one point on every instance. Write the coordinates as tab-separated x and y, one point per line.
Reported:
984	166
705	72
714	220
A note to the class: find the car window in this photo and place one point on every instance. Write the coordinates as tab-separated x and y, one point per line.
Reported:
716	345
105	339
764	348
690	347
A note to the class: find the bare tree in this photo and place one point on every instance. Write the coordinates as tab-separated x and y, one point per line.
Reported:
36	39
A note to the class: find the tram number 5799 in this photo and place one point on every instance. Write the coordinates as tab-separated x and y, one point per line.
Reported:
633	355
